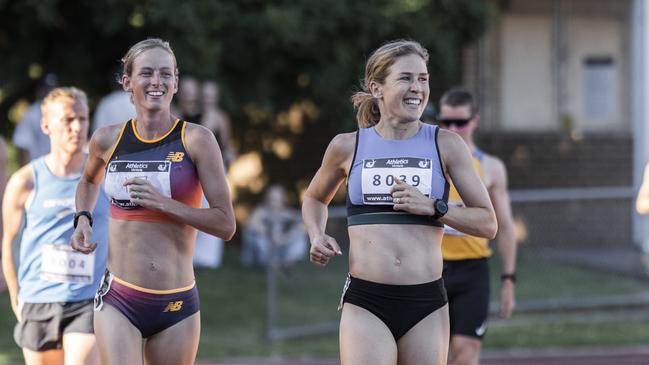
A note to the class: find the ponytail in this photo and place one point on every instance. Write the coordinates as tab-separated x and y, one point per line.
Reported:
368	113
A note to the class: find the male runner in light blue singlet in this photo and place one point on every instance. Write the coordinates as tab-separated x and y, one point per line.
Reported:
52	288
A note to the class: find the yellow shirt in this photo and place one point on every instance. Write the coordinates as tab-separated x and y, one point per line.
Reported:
457	245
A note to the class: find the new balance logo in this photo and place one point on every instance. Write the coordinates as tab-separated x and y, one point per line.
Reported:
175	156
173	306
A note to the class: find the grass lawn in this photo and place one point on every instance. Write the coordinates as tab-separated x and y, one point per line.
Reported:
540	279
568	331
233	311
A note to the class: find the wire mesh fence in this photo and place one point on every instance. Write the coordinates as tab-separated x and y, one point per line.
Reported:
570	260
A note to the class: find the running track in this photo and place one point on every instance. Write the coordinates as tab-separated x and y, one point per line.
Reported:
580	357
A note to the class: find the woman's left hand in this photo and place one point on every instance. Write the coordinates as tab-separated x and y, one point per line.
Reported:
410	199
144	194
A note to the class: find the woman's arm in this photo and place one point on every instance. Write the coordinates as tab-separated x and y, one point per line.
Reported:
321	190
477	218
218	219
101	145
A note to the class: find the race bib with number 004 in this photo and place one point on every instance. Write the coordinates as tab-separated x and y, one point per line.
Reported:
60	263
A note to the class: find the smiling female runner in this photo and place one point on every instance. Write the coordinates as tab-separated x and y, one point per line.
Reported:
155	167
396	168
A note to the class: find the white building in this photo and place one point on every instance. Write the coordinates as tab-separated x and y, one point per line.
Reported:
563	90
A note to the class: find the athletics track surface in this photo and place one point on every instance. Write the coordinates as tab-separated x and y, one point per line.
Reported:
633	356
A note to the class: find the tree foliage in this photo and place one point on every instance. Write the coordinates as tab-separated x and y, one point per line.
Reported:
287	67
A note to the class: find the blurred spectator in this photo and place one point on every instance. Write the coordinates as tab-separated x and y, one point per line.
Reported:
216	120
274	227
28	136
189	100
113	108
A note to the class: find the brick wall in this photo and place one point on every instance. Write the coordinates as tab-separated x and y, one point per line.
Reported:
553	161
543	161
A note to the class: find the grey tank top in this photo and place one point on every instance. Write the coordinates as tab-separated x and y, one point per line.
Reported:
376	164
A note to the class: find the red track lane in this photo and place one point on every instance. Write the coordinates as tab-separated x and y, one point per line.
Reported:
635	357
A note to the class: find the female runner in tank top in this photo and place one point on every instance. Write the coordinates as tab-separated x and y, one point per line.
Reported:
394	304
154	168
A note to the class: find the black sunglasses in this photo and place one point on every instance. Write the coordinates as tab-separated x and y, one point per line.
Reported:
459	123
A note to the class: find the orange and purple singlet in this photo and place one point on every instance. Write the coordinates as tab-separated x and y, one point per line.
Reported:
164	162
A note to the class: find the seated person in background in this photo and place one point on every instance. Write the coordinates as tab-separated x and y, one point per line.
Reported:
274	226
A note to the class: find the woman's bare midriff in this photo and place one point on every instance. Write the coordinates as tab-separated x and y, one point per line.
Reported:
153	255
395	254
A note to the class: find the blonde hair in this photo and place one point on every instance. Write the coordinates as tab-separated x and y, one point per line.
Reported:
142	46
377	69
63	93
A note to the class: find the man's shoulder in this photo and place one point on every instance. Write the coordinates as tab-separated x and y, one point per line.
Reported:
489	159
22	180
493	169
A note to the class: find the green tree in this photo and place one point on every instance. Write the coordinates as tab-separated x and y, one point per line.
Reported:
287	68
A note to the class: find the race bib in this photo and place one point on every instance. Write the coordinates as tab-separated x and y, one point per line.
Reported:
378	176
158	173
448	230
61	264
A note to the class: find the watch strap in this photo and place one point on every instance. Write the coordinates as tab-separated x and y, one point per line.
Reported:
508	276
437	215
85	213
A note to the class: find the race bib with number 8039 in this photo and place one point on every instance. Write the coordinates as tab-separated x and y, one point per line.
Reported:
60	263
378	176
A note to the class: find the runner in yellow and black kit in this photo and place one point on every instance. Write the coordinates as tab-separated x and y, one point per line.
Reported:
466	271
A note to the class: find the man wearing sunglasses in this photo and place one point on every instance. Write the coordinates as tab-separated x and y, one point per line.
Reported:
466	271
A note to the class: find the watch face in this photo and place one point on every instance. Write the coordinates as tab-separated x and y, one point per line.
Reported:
441	207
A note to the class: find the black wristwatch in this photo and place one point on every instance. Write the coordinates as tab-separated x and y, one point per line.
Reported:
85	213
509	276
441	208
